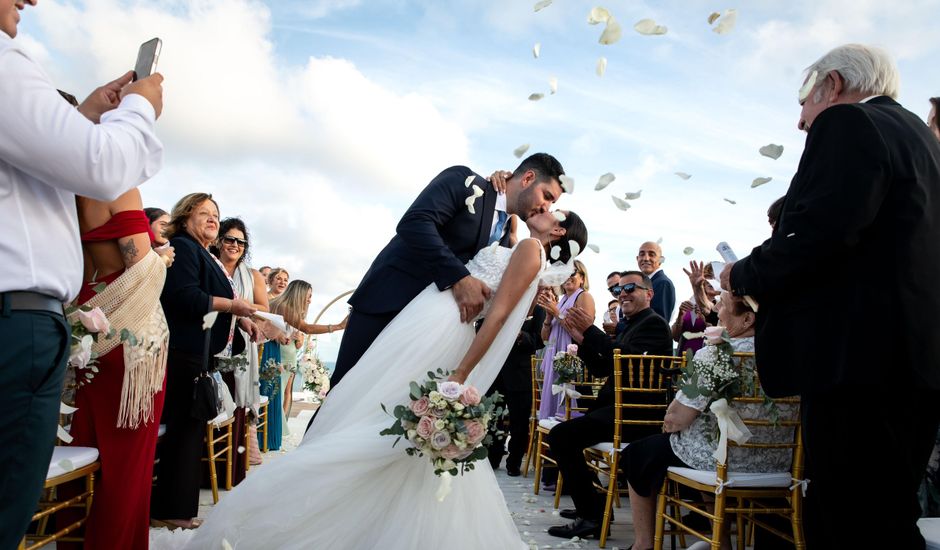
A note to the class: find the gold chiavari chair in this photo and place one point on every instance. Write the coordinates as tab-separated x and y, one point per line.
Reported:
641	393
533	414
263	423
219	431
745	495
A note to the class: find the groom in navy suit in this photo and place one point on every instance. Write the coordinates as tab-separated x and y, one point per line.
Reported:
441	231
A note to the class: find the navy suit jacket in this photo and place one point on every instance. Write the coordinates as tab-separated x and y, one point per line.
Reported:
434	239
191	282
664	295
848	282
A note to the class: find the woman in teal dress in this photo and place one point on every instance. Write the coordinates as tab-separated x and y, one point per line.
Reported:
271	387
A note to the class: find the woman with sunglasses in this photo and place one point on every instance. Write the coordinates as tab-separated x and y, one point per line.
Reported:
240	373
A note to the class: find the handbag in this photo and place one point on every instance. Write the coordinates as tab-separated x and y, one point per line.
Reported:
207	403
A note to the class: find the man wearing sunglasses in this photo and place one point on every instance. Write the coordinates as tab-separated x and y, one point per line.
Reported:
645	332
612	317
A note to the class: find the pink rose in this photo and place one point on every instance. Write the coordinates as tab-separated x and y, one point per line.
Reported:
714	335
476	431
440	439
437	412
425	427
420	407
94	320
572	349
470	397
450	390
451	452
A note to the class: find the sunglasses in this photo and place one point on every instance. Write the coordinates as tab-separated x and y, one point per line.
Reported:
628	288
235	240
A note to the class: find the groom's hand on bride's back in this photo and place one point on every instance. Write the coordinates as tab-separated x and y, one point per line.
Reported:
470	294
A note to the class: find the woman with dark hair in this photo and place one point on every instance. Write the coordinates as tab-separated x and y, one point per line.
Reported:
158	219
196	285
367	492
240	372
932	119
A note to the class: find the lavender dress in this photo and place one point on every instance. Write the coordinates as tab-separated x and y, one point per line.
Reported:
558	339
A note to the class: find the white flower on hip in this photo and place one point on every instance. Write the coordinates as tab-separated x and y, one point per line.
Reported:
94	321
81	352
450	390
477	193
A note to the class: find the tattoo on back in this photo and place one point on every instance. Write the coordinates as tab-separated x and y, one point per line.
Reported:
129	251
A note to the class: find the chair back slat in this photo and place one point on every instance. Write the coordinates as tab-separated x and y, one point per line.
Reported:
646	390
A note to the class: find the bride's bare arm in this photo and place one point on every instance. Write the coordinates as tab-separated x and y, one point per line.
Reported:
524	265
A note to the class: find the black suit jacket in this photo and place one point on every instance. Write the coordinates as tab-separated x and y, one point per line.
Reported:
646	332
848	283
516	374
664	295
433	241
191	282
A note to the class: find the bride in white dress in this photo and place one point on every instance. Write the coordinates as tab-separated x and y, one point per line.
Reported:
345	486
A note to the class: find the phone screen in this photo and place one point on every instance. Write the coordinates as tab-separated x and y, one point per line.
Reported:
147	58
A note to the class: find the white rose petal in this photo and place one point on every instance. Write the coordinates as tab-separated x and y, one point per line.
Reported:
66	465
620	203
63	435
759	181
659	240
688	250
594	247
714	15
226	545
598	15
472	177
575	248
559	215
633	196
555	253
567	184
771	150
649	27
553	84
601	66
241	449
542	4
612	32
726	24
65	409
730	201
604	181
683	175
536	96
536	50
808	86
209	319
518	152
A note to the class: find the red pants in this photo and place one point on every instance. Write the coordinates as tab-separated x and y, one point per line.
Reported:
120	512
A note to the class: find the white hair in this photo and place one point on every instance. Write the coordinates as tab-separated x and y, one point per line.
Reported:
865	69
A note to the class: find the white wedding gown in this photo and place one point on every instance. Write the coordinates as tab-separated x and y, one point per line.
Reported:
345	486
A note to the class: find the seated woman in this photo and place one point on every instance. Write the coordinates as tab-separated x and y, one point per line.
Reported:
689	439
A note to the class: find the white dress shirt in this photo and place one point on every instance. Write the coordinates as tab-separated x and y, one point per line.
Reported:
49	153
500	207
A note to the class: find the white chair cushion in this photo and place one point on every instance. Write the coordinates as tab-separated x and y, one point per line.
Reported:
219	419
930	529
264	399
608	446
161	430
66	459
548	423
774	479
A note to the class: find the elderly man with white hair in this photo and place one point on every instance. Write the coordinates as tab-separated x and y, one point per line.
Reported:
849	301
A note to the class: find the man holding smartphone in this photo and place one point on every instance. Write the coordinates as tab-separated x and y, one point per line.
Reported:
50	152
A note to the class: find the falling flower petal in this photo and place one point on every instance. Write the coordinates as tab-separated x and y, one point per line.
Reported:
241	449
771	150
601	66
808	86
649	27
594	247
575	248
567	183
63	435
604	181
472	177
536	97
226	545
209	319
555	253
536	49
66	465
727	22
633	196
553	84
517	152
65	409
612	32
542	4
688	250
683	175
729	201
598	15
714	15
620	203
759	181
559	215
659	240
477	193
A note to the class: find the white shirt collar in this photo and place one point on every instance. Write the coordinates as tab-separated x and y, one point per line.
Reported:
501	202
869	98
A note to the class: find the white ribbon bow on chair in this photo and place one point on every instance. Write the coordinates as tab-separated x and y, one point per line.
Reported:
730	426
567	388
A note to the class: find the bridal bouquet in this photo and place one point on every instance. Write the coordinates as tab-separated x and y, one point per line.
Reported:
567	365
316	377
714	375
446	421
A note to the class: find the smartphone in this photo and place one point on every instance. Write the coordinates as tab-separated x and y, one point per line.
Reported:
147	57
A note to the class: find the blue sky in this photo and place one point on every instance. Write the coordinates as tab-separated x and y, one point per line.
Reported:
319	121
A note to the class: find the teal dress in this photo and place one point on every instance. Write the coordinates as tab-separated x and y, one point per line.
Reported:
272	389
